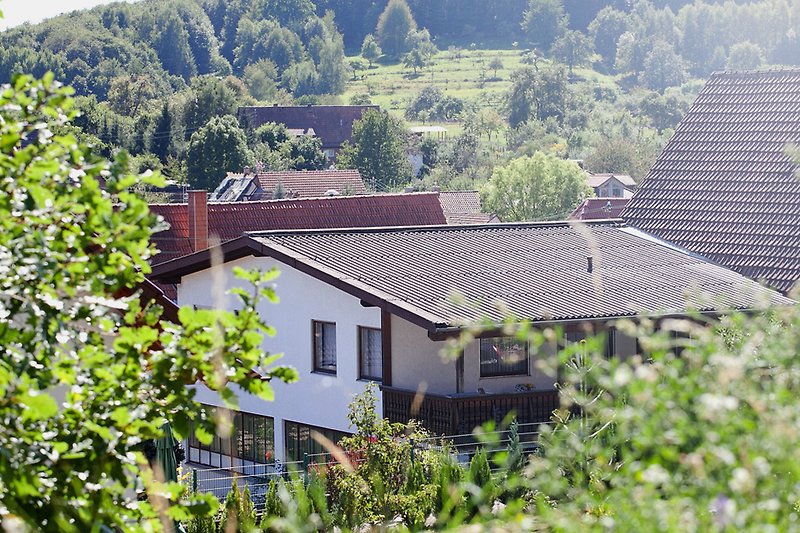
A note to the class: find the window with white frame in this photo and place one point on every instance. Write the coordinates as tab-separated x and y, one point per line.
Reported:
503	356
370	354
324	346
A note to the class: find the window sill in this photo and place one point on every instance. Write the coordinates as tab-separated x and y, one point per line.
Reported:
324	372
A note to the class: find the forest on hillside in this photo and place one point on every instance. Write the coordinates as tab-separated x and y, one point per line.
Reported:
600	80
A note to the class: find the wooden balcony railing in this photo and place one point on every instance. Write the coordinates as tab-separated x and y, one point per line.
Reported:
458	414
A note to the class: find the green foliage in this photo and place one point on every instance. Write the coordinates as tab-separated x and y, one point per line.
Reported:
215	149
86	372
538	94
663	68
432	104
745	56
394	26
370	50
306	153
573	49
379	479
378	150
544	22
535	188
237	512
605	31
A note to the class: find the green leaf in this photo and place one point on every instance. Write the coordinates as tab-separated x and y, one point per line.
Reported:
39	406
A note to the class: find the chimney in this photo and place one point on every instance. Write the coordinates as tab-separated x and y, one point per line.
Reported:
589	265
198	220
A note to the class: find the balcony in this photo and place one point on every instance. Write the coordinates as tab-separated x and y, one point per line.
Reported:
458	414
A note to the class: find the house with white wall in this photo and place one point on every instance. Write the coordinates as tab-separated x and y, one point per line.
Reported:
378	304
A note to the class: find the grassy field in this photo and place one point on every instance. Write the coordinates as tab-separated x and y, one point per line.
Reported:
464	74
461	73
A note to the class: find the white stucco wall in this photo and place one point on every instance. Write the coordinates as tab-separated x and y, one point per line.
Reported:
417	360
317	399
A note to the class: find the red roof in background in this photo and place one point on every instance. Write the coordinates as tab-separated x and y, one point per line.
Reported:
333	124
312	183
599	208
230	220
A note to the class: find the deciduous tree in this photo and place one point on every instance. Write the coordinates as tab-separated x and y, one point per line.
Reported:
394	25
86	371
535	188
378	150
544	22
215	149
370	49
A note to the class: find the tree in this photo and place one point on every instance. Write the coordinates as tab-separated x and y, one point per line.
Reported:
535	188
210	97
306	153
260	78
378	150
605	31
88	372
573	48
496	64
544	22
414	59
370	49
394	25
663	68
218	147
161	138
622	156
745	56
538	94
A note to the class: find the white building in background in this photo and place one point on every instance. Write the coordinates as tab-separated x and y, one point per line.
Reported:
376	304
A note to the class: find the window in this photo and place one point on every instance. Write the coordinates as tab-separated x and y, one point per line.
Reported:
617	192
324	347
299	440
252	438
370	354
503	356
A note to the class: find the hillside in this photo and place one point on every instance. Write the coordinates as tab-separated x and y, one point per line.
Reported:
603	81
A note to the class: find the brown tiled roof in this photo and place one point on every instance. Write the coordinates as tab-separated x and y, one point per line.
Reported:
599	208
464	207
540	271
333	124
724	186
229	220
312	183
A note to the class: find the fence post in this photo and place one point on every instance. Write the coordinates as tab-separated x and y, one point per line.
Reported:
194	480
412	451
305	469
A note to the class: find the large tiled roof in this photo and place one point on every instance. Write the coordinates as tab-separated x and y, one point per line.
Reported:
724	186
599	208
539	271
229	220
333	124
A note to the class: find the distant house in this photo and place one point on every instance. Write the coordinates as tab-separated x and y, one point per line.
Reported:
464	207
288	184
333	124
611	185
375	304
724	187
599	209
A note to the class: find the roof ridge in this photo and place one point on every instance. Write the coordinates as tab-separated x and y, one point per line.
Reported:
615	222
755	72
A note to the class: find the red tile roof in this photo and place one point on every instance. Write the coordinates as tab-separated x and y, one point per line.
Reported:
311	183
599	208
333	124
229	220
724	186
